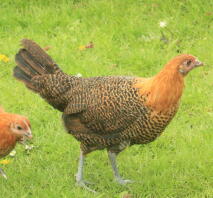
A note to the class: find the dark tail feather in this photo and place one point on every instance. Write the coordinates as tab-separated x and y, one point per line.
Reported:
32	61
22	76
40	55
28	63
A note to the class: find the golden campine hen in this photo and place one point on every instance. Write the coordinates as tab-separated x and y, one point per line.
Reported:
110	112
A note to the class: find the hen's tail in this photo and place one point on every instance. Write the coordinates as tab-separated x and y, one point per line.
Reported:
32	61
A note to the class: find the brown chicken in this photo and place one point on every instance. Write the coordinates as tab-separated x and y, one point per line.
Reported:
106	112
13	128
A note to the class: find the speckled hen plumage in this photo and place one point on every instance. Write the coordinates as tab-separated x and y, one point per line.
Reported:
106	112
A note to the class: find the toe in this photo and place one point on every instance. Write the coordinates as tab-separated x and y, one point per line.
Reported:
124	181
83	184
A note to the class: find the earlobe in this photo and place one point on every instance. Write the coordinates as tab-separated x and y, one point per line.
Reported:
181	71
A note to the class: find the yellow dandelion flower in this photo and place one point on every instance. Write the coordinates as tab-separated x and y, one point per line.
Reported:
4	58
82	47
5	162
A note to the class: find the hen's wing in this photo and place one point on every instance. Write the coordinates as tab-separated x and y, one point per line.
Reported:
103	105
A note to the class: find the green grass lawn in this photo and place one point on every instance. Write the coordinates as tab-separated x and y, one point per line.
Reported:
128	40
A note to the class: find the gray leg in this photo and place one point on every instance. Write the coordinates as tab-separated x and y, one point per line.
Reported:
79	176
3	173
118	178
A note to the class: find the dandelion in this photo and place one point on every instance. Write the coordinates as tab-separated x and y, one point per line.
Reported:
4	58
162	24
82	47
12	153
5	162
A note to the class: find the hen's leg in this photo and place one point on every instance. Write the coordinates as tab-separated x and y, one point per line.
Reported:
118	178
3	173
79	176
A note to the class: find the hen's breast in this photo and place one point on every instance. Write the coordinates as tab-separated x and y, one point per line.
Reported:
148	127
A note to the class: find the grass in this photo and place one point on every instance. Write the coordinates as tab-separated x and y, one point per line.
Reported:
127	41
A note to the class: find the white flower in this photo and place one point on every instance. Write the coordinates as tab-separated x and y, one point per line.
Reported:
162	24
28	147
78	75
12	153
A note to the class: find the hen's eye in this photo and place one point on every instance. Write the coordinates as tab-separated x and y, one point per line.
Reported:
19	128
189	62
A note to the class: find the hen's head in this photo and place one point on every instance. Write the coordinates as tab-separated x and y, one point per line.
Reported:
183	63
20	127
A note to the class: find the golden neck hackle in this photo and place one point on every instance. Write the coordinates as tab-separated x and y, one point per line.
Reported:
164	90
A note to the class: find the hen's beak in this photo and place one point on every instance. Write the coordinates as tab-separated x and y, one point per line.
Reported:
198	63
28	134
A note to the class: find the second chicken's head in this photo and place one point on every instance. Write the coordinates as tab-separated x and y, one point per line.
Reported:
21	128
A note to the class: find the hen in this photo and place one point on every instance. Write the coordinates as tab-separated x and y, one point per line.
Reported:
106	112
13	128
